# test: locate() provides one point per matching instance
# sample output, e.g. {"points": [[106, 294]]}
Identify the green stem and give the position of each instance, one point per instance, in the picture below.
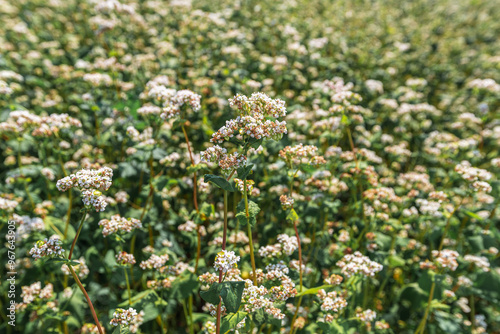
{"points": [[472, 313], [98, 324], [224, 238], [295, 315], [21, 172], [252, 257], [191, 323], [300, 254], [128, 286], [68, 214], [186, 315], [77, 234], [447, 227], [421, 326]]}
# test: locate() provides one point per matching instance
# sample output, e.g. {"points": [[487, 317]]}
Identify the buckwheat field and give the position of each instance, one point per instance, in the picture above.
{"points": [[247, 166]]}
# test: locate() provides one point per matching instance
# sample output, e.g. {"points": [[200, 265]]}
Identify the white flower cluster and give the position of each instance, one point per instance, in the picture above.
{"points": [[479, 261], [484, 84], [416, 82], [440, 196], [7, 204], [80, 269], [476, 176], [227, 162], [446, 258], [257, 128], [44, 126], [353, 264], [27, 225], [171, 99], [170, 159], [240, 185], [130, 317], [124, 258], [33, 292], [288, 244], [366, 316], [154, 262], [109, 6], [286, 202], [90, 329], [374, 86], [276, 271], [430, 208], [149, 109], [334, 280], [121, 197], [11, 75], [118, 224], [144, 138], [259, 105], [172, 106], [299, 153], [98, 79], [94, 198], [52, 124], [5, 89], [226, 260], [331, 301], [47, 247], [91, 182], [252, 121], [188, 226], [255, 299]]}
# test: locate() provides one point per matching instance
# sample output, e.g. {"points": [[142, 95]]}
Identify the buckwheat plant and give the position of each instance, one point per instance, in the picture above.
{"points": [[91, 183], [164, 105], [295, 158], [119, 228], [51, 249], [257, 120]]}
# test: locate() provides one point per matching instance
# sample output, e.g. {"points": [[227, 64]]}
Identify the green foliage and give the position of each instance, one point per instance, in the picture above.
{"points": [[231, 293], [220, 182], [231, 320], [253, 211]]}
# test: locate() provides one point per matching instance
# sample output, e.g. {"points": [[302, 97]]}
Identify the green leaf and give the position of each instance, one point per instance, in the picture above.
{"points": [[292, 216], [160, 182], [253, 211], [150, 312], [313, 291], [396, 261], [144, 295], [212, 294], [331, 328], [185, 285], [244, 171], [476, 243], [196, 168], [219, 181], [231, 293], [436, 305], [473, 215], [126, 170], [231, 320], [207, 209], [345, 120], [178, 122], [255, 143]]}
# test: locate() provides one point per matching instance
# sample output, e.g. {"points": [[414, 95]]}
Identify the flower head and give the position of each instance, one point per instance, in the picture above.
{"points": [[226, 260]]}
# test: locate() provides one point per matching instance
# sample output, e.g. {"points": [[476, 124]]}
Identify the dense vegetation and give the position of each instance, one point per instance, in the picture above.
{"points": [[250, 166]]}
